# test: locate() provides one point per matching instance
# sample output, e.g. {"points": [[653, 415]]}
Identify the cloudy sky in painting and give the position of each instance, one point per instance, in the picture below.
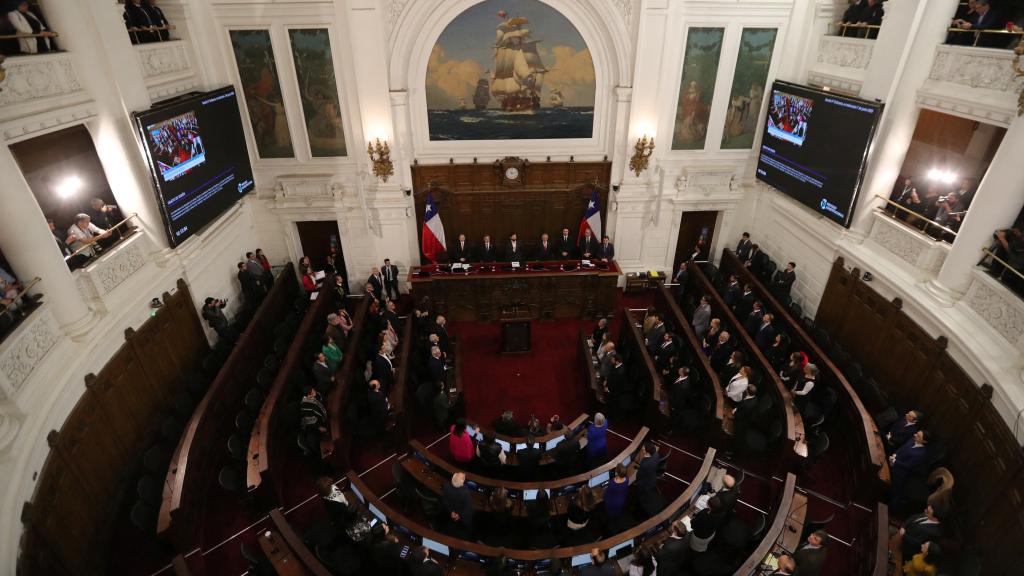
{"points": [[464, 53]]}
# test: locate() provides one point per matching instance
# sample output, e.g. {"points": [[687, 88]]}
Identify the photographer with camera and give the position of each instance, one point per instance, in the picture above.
{"points": [[213, 313], [1009, 246]]}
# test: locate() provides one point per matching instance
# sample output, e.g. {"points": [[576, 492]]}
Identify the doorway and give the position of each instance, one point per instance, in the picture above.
{"points": [[696, 233], [320, 238]]}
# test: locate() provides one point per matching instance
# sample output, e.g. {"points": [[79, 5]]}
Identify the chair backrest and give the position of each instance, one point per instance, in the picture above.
{"points": [[758, 528], [818, 445]]}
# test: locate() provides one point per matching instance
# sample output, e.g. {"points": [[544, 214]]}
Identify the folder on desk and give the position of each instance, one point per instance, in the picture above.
{"points": [[319, 275]]}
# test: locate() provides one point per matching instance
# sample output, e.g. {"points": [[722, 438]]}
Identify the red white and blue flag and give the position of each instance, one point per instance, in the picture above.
{"points": [[591, 219], [433, 243]]}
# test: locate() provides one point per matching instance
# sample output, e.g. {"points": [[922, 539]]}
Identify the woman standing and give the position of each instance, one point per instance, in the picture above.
{"points": [[597, 440]]}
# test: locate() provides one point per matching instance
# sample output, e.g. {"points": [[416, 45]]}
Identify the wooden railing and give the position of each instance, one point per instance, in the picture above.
{"points": [[403, 388], [200, 450], [296, 551], [775, 531], [866, 450]]}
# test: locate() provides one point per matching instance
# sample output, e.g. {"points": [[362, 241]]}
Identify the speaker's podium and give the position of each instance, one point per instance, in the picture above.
{"points": [[515, 330]]}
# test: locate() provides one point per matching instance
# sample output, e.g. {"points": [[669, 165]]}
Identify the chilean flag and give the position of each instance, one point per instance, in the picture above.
{"points": [[433, 243], [591, 219]]}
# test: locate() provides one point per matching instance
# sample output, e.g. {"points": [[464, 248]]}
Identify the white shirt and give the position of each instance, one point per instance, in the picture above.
{"points": [[737, 387], [90, 231], [807, 387], [20, 22]]}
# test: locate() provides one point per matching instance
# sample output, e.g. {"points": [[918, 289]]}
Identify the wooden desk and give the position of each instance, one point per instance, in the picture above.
{"points": [[775, 531], [871, 468], [279, 555], [551, 292], [301, 556], [794, 527], [580, 436], [590, 366], [721, 421]]}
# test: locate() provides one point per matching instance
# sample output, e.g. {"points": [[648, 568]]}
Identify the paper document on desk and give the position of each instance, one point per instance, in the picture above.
{"points": [[586, 262], [515, 265], [456, 267], [313, 296], [319, 275]]}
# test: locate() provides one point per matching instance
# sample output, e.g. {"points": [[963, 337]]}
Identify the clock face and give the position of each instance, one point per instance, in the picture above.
{"points": [[511, 173]]}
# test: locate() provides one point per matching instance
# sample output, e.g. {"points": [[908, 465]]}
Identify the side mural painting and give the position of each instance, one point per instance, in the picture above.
{"points": [[747, 95], [697, 88], [314, 67], [257, 69], [510, 69]]}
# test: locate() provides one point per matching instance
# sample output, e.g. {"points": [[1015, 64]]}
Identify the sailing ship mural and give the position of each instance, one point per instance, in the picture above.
{"points": [[524, 67]]}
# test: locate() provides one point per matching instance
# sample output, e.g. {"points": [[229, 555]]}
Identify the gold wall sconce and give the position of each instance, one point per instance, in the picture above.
{"points": [[641, 155], [380, 156]]}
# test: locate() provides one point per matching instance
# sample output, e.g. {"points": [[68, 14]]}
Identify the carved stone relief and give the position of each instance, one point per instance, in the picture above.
{"points": [[35, 77], [1004, 315], [163, 59], [845, 52], [25, 349], [114, 270], [976, 70]]}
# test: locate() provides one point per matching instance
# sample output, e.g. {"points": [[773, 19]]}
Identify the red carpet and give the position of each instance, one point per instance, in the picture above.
{"points": [[548, 380]]}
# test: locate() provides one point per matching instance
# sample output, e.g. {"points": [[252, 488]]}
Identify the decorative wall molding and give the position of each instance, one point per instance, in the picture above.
{"points": [[845, 52], [27, 126], [626, 9], [291, 187], [924, 254], [975, 68], [163, 59], [706, 183], [1000, 309], [30, 78], [392, 12], [113, 270], [24, 350]]}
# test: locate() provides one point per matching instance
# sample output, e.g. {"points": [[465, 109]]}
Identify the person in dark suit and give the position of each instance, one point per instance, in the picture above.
{"points": [[906, 462], [984, 18], [249, 287], [458, 504], [377, 281], [901, 431], [390, 274], [588, 245], [421, 564], [618, 385], [506, 424], [566, 246], [918, 529], [650, 499], [765, 335], [487, 251], [545, 249], [753, 320], [653, 338], [784, 279], [383, 370], [672, 556], [135, 16], [597, 336], [758, 261], [339, 509], [743, 248], [439, 406], [665, 351], [566, 454], [732, 367], [156, 16], [731, 294], [679, 394], [514, 251], [322, 375], [746, 411], [461, 252], [701, 318], [721, 352], [810, 556], [606, 250], [728, 495], [440, 328], [379, 407], [746, 302], [436, 365], [528, 459], [312, 421], [680, 278]]}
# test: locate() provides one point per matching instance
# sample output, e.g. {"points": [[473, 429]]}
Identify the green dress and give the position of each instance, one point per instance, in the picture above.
{"points": [[333, 354]]}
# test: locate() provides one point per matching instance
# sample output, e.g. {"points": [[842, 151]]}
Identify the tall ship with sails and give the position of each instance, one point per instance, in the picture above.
{"points": [[556, 98], [518, 71], [482, 96]]}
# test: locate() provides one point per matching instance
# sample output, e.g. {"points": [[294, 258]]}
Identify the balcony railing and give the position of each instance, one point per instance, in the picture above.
{"points": [[93, 247], [996, 38], [854, 30]]}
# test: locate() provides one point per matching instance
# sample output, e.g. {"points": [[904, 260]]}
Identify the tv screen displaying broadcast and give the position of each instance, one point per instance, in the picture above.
{"points": [[815, 147], [196, 151]]}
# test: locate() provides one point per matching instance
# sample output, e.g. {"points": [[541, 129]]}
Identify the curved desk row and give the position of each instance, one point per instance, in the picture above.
{"points": [[335, 447], [870, 465], [641, 371], [721, 423], [470, 554], [199, 453], [782, 406], [579, 431], [265, 463]]}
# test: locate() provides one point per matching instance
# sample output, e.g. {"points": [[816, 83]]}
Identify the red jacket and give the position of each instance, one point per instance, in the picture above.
{"points": [[460, 446], [308, 283]]}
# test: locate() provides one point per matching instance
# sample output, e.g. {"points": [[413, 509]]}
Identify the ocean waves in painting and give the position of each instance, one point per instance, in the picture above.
{"points": [[490, 124]]}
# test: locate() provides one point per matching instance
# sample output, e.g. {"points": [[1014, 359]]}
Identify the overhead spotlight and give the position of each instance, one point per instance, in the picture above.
{"points": [[69, 187], [944, 176]]}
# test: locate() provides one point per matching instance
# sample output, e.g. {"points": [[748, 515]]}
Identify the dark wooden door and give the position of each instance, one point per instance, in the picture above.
{"points": [[694, 228], [320, 238]]}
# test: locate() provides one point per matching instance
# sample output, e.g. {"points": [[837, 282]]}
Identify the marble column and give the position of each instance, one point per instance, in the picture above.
{"points": [[93, 31], [1000, 197], [900, 63], [30, 249]]}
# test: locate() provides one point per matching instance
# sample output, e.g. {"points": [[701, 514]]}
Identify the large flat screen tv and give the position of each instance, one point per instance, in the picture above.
{"points": [[197, 157], [815, 147]]}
